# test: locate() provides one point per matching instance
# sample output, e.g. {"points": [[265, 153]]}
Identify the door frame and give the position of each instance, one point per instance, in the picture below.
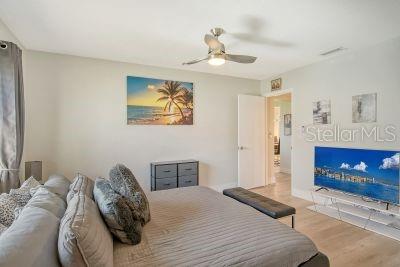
{"points": [[269, 174]]}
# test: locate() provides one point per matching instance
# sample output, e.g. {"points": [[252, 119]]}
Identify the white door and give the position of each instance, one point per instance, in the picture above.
{"points": [[251, 141]]}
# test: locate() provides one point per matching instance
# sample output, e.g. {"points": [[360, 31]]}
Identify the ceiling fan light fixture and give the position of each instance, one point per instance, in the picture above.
{"points": [[216, 52], [216, 60]]}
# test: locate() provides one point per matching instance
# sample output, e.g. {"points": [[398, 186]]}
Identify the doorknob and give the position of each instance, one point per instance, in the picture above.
{"points": [[241, 147]]}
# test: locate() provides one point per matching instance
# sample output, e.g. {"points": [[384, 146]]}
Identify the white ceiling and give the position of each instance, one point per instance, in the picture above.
{"points": [[283, 34]]}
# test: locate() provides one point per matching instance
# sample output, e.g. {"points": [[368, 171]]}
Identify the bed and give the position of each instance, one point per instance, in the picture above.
{"points": [[197, 226]]}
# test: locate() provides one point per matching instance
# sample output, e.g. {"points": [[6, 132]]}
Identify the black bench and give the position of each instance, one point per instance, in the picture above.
{"points": [[263, 204]]}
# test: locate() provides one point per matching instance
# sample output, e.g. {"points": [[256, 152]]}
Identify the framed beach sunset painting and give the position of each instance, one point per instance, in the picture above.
{"points": [[159, 102]]}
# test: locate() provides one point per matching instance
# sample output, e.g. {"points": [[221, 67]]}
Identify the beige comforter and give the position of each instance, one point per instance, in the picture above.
{"points": [[196, 226]]}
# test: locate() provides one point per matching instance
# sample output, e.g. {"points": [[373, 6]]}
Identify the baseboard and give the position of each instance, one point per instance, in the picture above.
{"points": [[300, 193], [221, 187], [306, 195]]}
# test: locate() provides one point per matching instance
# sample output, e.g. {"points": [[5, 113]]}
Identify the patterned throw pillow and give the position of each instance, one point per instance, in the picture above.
{"points": [[21, 195], [2, 228], [118, 212], [7, 206], [31, 182], [124, 182]]}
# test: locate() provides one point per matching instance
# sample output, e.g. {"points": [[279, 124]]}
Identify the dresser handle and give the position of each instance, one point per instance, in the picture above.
{"points": [[167, 184], [188, 169], [167, 171], [188, 181]]}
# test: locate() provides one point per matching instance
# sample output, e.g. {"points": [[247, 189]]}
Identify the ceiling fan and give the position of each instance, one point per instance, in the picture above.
{"points": [[216, 51]]}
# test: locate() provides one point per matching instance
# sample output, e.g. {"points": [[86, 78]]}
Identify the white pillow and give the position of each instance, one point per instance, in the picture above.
{"points": [[83, 238], [7, 206], [31, 240], [49, 201]]}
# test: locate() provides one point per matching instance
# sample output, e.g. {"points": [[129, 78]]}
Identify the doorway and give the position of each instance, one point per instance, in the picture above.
{"points": [[264, 139], [279, 148]]}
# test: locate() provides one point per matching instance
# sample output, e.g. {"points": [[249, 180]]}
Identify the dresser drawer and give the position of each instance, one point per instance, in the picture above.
{"points": [[166, 171], [166, 183], [187, 169], [189, 180]]}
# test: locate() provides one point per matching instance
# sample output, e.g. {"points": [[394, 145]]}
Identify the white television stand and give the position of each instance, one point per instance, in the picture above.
{"points": [[369, 215]]}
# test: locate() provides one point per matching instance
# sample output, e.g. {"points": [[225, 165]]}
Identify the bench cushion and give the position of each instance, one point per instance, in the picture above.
{"points": [[263, 204]]}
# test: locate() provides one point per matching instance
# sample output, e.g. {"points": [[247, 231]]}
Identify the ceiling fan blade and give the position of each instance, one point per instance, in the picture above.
{"points": [[240, 58], [194, 61], [212, 41]]}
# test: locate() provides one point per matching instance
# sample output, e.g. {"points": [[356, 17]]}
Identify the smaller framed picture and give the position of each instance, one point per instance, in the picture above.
{"points": [[276, 84], [287, 124], [322, 112], [364, 108]]}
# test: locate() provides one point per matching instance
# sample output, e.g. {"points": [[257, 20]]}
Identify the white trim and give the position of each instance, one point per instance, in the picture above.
{"points": [[279, 92]]}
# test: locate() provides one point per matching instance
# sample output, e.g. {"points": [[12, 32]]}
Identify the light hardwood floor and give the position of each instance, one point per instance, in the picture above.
{"points": [[345, 245]]}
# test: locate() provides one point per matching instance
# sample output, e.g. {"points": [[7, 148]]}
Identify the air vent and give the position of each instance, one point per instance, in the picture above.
{"points": [[330, 52]]}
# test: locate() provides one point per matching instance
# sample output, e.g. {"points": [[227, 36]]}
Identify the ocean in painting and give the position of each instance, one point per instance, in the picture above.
{"points": [[370, 173], [138, 113], [148, 115]]}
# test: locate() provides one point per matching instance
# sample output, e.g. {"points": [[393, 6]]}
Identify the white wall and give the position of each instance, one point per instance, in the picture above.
{"points": [[7, 35], [374, 69], [76, 119]]}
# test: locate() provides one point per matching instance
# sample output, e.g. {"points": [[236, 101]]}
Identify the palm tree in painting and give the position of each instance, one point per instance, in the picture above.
{"points": [[172, 92], [186, 99]]}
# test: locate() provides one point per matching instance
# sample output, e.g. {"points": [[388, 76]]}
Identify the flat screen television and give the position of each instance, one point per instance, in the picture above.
{"points": [[369, 173]]}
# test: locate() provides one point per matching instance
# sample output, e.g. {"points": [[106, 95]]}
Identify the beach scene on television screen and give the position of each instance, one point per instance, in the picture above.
{"points": [[159, 102], [370, 173]]}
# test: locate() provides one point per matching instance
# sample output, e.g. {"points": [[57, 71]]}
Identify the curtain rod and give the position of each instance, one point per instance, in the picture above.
{"points": [[3, 44]]}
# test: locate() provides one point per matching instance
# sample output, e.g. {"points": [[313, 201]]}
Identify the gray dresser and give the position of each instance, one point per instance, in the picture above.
{"points": [[173, 174]]}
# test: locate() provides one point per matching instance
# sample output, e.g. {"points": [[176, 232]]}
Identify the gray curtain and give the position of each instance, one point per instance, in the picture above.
{"points": [[11, 115]]}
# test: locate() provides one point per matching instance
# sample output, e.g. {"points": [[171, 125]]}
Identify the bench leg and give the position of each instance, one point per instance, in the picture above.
{"points": [[293, 221]]}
